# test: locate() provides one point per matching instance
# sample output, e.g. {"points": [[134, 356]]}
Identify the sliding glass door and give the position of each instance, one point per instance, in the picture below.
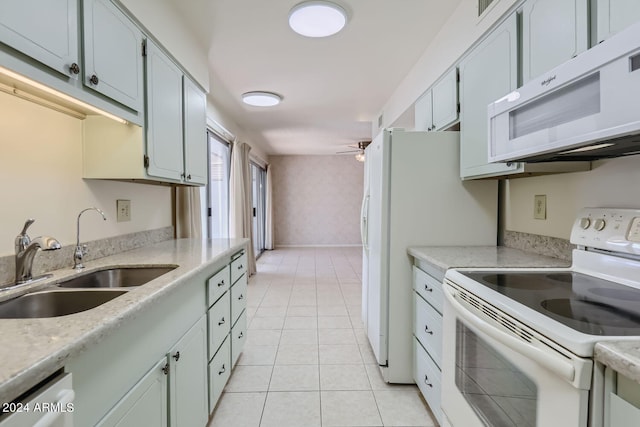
{"points": [[218, 187], [258, 178]]}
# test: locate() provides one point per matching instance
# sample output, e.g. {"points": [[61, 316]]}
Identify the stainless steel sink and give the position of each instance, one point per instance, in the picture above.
{"points": [[116, 277], [55, 303]]}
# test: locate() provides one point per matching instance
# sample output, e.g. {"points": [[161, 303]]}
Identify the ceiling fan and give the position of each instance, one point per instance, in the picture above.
{"points": [[358, 149]]}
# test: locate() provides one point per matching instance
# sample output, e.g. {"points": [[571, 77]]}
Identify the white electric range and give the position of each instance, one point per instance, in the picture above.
{"points": [[518, 343]]}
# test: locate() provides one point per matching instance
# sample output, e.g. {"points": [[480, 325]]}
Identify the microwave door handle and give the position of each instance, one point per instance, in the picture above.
{"points": [[555, 364]]}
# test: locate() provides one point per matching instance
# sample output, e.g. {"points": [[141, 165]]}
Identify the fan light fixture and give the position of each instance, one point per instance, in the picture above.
{"points": [[360, 156], [261, 99], [317, 18]]}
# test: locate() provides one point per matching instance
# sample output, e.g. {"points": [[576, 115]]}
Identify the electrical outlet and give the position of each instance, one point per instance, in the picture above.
{"points": [[124, 210], [540, 206]]}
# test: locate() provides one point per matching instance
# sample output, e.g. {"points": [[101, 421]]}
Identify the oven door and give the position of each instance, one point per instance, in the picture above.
{"points": [[498, 372]]}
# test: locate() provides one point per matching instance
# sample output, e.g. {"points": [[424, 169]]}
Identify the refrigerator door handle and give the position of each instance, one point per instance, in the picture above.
{"points": [[364, 223]]}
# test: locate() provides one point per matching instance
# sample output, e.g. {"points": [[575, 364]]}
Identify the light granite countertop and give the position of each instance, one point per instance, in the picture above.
{"points": [[622, 356], [445, 257], [33, 349]]}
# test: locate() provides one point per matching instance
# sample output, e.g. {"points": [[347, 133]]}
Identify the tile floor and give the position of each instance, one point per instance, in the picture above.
{"points": [[307, 361]]}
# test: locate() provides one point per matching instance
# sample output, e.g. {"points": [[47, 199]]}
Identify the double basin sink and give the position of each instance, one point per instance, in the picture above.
{"points": [[80, 293]]}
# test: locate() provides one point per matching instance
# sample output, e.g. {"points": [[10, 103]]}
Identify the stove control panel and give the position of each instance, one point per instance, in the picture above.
{"points": [[608, 228]]}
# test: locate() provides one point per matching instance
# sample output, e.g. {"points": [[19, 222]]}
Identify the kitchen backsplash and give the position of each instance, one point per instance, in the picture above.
{"points": [[541, 245], [54, 260]]}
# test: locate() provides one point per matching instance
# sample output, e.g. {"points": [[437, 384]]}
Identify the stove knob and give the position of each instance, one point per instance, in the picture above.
{"points": [[585, 223], [599, 224]]}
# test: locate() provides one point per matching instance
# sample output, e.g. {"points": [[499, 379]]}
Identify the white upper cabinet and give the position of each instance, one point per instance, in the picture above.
{"points": [[49, 35], [445, 100], [437, 109], [164, 115], [552, 33], [615, 15], [112, 54], [195, 135], [487, 73]]}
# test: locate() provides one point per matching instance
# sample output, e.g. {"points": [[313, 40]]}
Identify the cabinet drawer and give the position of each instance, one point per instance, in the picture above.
{"points": [[219, 372], [428, 287], [238, 337], [238, 267], [219, 317], [238, 298], [428, 328], [428, 378], [218, 285]]}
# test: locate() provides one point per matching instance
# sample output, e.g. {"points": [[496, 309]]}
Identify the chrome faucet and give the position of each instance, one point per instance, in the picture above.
{"points": [[81, 251], [26, 250]]}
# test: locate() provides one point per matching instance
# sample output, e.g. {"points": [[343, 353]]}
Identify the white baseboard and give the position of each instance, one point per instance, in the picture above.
{"points": [[319, 246]]}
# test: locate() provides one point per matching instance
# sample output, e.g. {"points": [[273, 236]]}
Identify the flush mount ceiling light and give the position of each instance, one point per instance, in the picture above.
{"points": [[317, 18], [261, 99]]}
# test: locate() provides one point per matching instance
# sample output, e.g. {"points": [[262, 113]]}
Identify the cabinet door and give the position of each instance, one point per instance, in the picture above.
{"points": [[195, 133], [424, 112], [445, 100], [112, 53], [144, 404], [188, 378], [164, 115], [44, 30], [489, 72], [615, 15], [552, 33]]}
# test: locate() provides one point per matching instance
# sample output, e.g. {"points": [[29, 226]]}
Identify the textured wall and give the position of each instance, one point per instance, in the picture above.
{"points": [[317, 199]]}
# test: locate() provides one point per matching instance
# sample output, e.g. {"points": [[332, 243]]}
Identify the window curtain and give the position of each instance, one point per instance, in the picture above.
{"points": [[240, 205], [188, 219], [268, 210]]}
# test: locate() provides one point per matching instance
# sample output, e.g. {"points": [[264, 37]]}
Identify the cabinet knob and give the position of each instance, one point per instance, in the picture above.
{"points": [[428, 289], [94, 80], [241, 335], [221, 283], [426, 329], [165, 369], [189, 177], [221, 322], [240, 297], [176, 356], [222, 371], [240, 267], [426, 381], [74, 68]]}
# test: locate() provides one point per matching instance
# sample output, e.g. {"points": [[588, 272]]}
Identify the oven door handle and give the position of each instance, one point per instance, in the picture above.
{"points": [[552, 362]]}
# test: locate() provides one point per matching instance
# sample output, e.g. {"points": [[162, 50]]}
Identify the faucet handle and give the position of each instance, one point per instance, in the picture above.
{"points": [[27, 224]]}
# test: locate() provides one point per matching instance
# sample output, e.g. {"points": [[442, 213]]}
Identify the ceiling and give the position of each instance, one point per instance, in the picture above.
{"points": [[333, 88]]}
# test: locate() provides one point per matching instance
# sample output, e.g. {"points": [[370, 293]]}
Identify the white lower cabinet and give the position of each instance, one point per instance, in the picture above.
{"points": [[622, 401], [145, 404], [238, 338], [219, 373], [188, 378], [427, 332]]}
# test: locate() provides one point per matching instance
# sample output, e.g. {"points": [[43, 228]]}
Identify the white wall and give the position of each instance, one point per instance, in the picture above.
{"points": [[41, 178], [611, 183], [317, 200]]}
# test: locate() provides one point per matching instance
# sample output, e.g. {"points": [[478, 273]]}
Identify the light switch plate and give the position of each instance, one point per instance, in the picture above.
{"points": [[124, 210], [540, 206]]}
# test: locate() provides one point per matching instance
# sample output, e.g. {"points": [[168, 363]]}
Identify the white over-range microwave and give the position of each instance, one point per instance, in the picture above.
{"points": [[584, 109]]}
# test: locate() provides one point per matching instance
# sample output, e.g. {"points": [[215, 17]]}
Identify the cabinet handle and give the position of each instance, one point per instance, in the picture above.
{"points": [[221, 283], [426, 381], [240, 267], [428, 289], [240, 297], [221, 322], [222, 371], [241, 335], [176, 356], [426, 329], [165, 369], [74, 68], [189, 177], [94, 80]]}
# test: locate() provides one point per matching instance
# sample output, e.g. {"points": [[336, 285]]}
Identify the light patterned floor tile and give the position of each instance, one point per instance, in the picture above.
{"points": [[349, 408], [294, 378], [403, 408], [291, 409]]}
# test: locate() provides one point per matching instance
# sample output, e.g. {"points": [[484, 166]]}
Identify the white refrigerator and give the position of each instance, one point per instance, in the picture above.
{"points": [[413, 197]]}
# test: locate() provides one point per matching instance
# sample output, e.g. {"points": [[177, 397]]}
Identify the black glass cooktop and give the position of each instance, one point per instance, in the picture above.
{"points": [[585, 303]]}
